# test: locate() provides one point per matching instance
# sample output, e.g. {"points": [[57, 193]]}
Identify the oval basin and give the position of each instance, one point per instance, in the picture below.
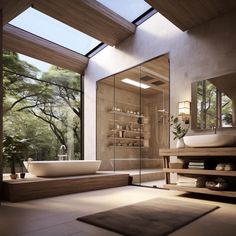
{"points": [[210, 140]]}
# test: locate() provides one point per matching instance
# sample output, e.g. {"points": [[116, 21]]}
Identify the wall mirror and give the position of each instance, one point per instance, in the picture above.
{"points": [[214, 103]]}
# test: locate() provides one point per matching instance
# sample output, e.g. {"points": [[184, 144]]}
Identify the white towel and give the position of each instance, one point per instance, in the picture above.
{"points": [[186, 181]]}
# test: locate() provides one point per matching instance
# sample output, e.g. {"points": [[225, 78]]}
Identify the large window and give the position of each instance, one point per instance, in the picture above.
{"points": [[44, 110]]}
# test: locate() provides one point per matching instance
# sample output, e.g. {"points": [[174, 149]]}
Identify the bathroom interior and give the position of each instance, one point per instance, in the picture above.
{"points": [[133, 126]]}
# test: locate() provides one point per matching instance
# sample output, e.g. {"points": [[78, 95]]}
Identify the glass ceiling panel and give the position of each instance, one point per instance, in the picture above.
{"points": [[53, 30], [128, 9]]}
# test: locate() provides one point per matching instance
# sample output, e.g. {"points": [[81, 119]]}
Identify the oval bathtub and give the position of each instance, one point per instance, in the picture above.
{"points": [[62, 168]]}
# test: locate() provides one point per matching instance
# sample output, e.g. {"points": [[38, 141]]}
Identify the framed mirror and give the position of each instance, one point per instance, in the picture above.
{"points": [[214, 103]]}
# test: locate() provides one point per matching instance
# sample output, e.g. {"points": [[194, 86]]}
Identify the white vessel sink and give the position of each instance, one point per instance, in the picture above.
{"points": [[210, 140]]}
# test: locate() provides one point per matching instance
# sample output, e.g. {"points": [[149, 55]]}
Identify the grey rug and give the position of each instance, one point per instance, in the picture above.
{"points": [[154, 217]]}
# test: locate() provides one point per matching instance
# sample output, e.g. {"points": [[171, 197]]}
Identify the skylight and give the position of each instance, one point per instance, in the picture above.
{"points": [[128, 9], [55, 31]]}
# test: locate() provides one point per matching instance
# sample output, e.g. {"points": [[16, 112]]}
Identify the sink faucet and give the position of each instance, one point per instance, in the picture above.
{"points": [[62, 153], [214, 129]]}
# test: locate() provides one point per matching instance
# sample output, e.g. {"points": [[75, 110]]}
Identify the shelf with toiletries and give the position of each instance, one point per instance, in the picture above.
{"points": [[209, 170], [121, 146], [129, 142], [126, 111], [201, 172], [117, 138], [126, 114], [127, 130], [201, 190], [115, 121], [202, 167]]}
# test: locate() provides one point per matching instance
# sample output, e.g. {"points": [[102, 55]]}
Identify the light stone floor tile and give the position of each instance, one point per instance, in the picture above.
{"points": [[57, 215], [90, 230], [64, 229]]}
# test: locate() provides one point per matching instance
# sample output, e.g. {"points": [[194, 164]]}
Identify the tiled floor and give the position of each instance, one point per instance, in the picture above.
{"points": [[155, 183], [57, 215]]}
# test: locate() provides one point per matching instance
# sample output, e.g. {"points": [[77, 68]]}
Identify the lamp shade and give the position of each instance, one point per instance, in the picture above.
{"points": [[184, 108]]}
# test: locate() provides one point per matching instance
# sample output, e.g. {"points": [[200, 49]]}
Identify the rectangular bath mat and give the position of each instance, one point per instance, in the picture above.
{"points": [[154, 217]]}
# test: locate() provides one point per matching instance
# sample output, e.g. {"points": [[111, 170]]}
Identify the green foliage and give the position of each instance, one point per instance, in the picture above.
{"points": [[15, 150], [207, 105], [12, 63], [226, 111], [227, 119], [38, 111], [62, 77], [178, 131], [43, 142]]}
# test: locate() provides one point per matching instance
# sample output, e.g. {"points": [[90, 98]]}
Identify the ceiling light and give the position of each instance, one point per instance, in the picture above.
{"points": [[135, 83]]}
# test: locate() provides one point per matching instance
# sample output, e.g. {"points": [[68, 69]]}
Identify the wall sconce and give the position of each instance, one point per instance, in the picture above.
{"points": [[184, 111]]}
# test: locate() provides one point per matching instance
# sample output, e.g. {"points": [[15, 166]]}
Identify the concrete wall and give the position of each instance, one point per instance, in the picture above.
{"points": [[207, 51]]}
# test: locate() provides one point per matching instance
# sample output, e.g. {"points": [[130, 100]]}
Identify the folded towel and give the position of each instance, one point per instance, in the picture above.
{"points": [[193, 185], [190, 181], [196, 167]]}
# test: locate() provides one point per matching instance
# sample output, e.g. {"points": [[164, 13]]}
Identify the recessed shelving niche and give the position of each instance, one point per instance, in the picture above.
{"points": [[127, 127]]}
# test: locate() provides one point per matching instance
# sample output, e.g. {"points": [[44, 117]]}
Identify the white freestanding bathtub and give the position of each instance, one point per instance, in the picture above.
{"points": [[62, 168]]}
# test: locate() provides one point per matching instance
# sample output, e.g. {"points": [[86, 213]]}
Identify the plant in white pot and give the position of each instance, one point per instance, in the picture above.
{"points": [[178, 131]]}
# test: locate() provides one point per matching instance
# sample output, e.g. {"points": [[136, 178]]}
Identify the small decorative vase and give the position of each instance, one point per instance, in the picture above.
{"points": [[22, 175], [180, 143]]}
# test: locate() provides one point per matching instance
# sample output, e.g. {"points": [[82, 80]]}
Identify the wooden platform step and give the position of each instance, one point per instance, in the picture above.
{"points": [[148, 176], [36, 188], [134, 163]]}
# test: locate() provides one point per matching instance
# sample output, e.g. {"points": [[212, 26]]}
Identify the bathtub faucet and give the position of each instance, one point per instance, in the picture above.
{"points": [[62, 153]]}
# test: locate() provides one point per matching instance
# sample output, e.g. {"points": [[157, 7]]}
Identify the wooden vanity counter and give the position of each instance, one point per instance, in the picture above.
{"points": [[186, 154]]}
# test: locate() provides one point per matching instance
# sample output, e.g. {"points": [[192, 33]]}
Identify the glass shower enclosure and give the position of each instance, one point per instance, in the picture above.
{"points": [[132, 121]]}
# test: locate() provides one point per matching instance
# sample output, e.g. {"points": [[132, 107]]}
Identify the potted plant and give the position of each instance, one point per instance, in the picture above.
{"points": [[178, 131], [14, 151]]}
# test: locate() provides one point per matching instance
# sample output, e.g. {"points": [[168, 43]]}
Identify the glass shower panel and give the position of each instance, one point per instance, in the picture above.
{"points": [[106, 129], [155, 109], [127, 136]]}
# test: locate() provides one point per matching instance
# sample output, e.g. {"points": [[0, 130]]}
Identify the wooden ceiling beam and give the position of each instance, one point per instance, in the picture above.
{"points": [[186, 14], [12, 8], [89, 17], [31, 45]]}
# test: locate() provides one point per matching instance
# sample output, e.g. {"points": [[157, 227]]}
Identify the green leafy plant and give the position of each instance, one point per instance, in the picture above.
{"points": [[14, 151], [178, 131]]}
